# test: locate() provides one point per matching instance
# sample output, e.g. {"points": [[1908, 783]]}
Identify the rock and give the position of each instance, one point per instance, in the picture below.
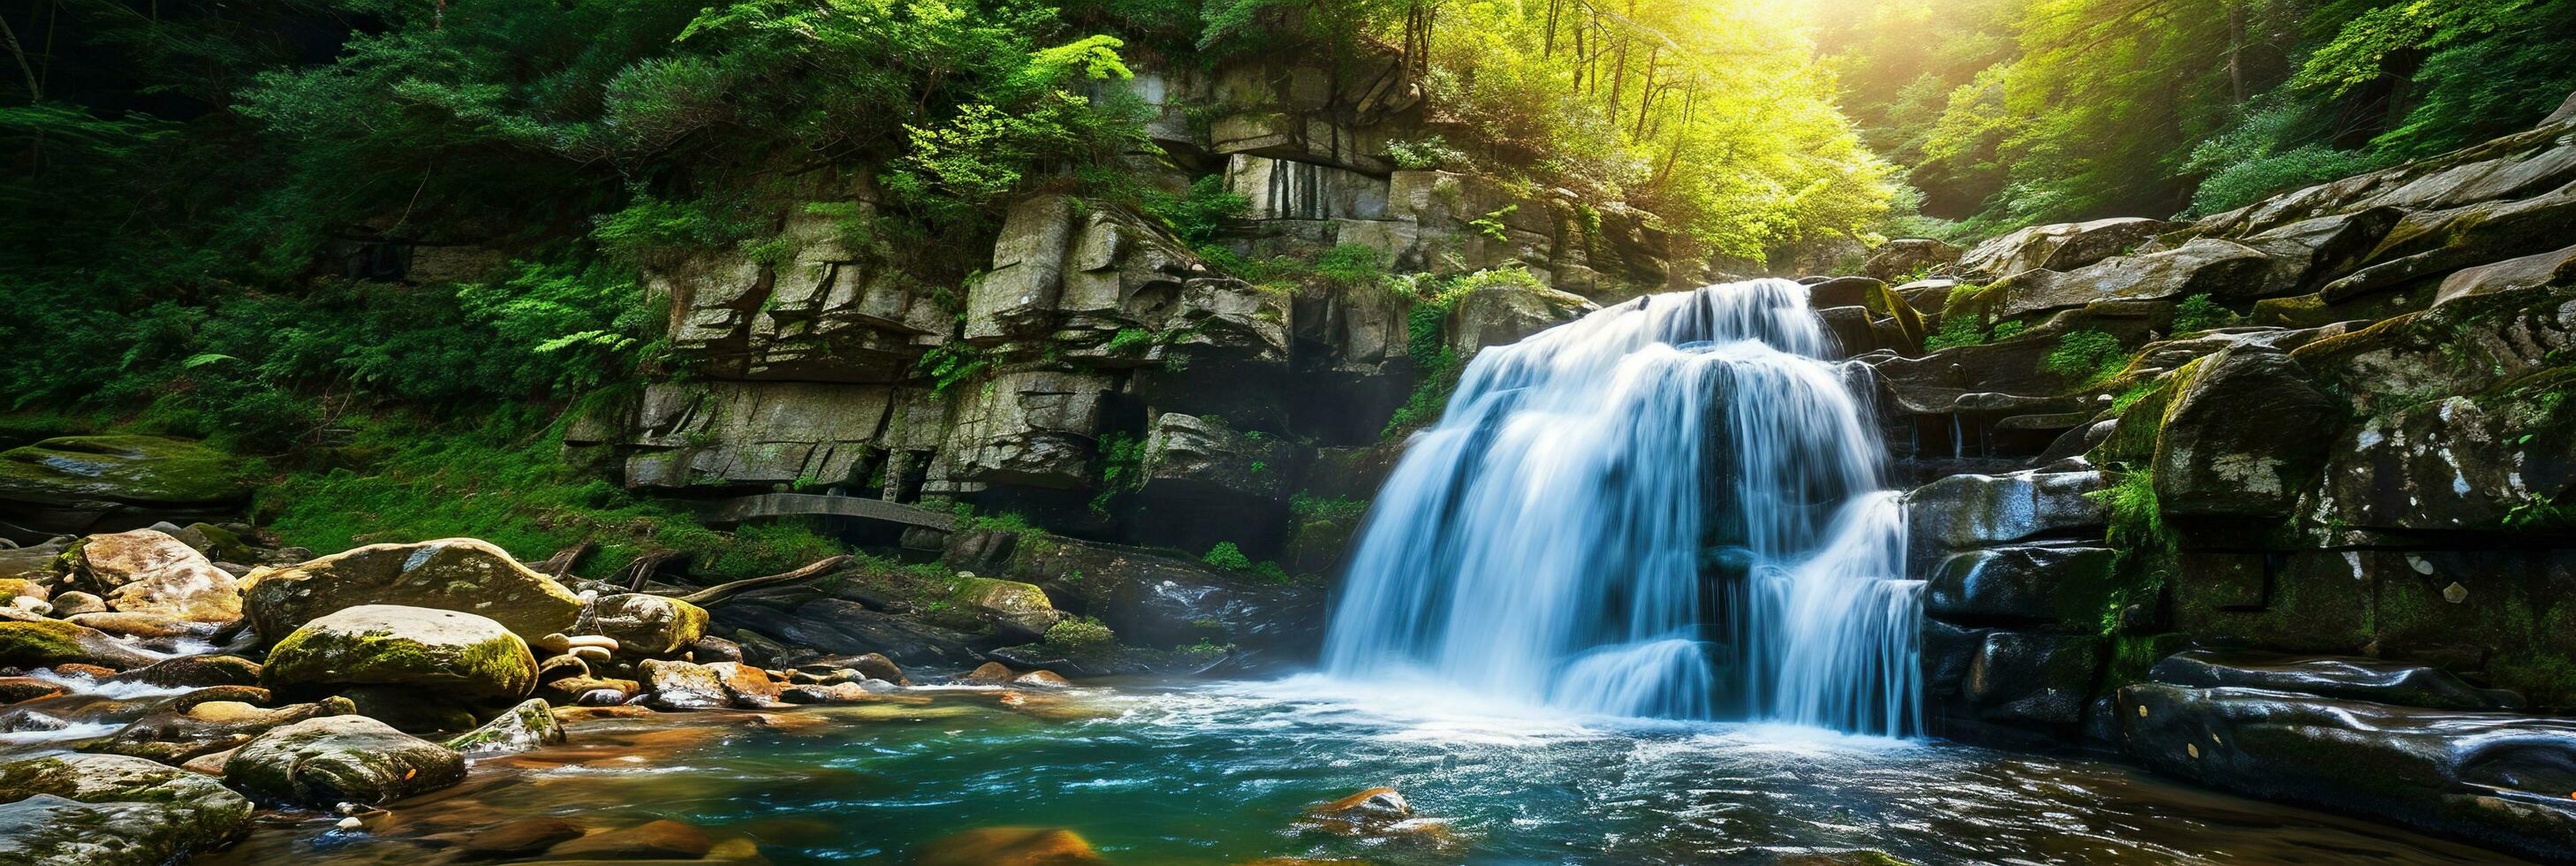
{"points": [[101, 810], [76, 603], [1019, 611], [2032, 679], [41, 565], [2061, 587], [18, 587], [529, 725], [1008, 846], [412, 710], [2489, 777], [143, 625], [654, 840], [458, 574], [649, 625], [74, 482], [1205, 482], [2058, 247], [1289, 189], [989, 674], [1501, 312], [521, 838], [2556, 267], [15, 689], [2360, 679], [1374, 804], [203, 728], [1898, 259], [145, 571], [747, 686], [592, 654], [1961, 512], [714, 649], [54, 643], [1156, 600], [871, 665], [684, 686], [1029, 429], [325, 761], [841, 626], [445, 652], [2225, 269], [1042, 679], [589, 691], [832, 693], [2245, 435], [562, 667]]}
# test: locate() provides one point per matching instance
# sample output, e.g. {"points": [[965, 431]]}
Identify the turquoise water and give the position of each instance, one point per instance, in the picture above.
{"points": [[1220, 773]]}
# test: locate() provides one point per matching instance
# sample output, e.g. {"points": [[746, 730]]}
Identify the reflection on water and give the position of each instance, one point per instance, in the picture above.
{"points": [[1222, 773]]}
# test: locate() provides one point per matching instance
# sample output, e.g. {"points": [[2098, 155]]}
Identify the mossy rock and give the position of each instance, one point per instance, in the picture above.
{"points": [[459, 655], [50, 642], [113, 809], [1009, 605], [459, 574], [527, 726], [102, 471], [649, 625], [336, 759]]}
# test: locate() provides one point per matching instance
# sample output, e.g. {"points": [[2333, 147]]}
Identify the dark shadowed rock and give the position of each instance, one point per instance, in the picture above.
{"points": [[2032, 679], [2355, 678], [2245, 435], [112, 810], [2062, 587], [324, 761]]}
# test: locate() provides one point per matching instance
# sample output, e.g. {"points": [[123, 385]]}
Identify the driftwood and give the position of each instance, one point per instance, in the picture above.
{"points": [[561, 563], [644, 567], [722, 591]]}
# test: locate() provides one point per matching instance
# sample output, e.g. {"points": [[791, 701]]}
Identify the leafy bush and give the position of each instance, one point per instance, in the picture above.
{"points": [[1352, 265], [1199, 215], [2200, 313], [2090, 354], [1428, 153], [1228, 557]]}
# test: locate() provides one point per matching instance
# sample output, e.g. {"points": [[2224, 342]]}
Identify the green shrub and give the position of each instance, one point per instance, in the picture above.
{"points": [[1352, 265], [2089, 354], [1428, 153], [2200, 313], [1955, 331], [1199, 215], [1228, 557]]}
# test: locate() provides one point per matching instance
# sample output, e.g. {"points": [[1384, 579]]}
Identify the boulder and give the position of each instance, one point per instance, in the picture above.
{"points": [[151, 629], [1503, 311], [76, 603], [2032, 680], [1008, 846], [2245, 435], [2058, 247], [325, 761], [2226, 269], [2556, 267], [172, 737], [684, 686], [649, 625], [194, 672], [1156, 600], [459, 574], [445, 652], [2064, 588], [521, 838], [41, 565], [1203, 461], [2492, 778], [989, 674], [145, 571], [1018, 610], [840, 627], [413, 710], [1032, 429], [47, 643], [111, 810], [745, 685], [1960, 512], [2348, 677], [1898, 259], [74, 483], [529, 725]]}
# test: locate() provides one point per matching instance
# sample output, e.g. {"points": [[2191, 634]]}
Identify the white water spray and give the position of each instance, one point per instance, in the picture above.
{"points": [[1670, 508]]}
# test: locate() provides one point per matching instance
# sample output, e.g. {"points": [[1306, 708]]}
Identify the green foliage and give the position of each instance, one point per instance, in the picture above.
{"points": [[1352, 265], [2137, 521], [1122, 460], [953, 362], [1201, 214], [1491, 225], [1228, 557], [1955, 331], [2200, 313], [1432, 152], [1082, 636], [2088, 354], [1338, 509]]}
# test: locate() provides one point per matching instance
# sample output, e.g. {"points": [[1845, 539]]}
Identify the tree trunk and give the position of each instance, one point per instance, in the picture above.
{"points": [[722, 591]]}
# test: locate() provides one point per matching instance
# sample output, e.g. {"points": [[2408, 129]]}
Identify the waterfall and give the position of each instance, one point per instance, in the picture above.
{"points": [[1669, 508]]}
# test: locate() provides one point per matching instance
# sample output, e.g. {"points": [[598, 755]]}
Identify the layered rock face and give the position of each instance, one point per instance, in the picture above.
{"points": [[1097, 375], [2278, 500]]}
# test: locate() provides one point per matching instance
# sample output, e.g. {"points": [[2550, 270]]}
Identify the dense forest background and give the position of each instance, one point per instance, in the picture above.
{"points": [[192, 186]]}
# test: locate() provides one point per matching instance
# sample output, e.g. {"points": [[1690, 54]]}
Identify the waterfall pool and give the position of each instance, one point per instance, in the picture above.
{"points": [[1222, 772]]}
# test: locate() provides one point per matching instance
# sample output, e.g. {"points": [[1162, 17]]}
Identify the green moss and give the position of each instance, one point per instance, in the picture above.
{"points": [[498, 667], [1228, 557], [40, 643], [1082, 636], [2088, 355]]}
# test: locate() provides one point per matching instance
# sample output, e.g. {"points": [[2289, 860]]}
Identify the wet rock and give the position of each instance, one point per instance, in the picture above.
{"points": [[41, 565], [2499, 779], [840, 626], [15, 689], [1504, 312], [714, 649], [54, 643], [146, 571], [458, 574], [989, 674], [655, 840], [442, 652], [325, 761], [521, 838], [684, 686], [1008, 846], [2350, 677], [871, 665], [153, 627], [1378, 804], [2036, 680], [529, 725], [745, 685], [203, 728], [1156, 600], [1018, 610], [2064, 587], [1042, 679], [412, 710], [589, 691], [1962, 512], [101, 810], [74, 482], [649, 625], [2512, 275], [75, 603], [832, 693]]}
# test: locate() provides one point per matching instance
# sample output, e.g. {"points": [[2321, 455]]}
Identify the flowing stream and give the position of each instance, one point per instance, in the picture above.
{"points": [[1670, 508]]}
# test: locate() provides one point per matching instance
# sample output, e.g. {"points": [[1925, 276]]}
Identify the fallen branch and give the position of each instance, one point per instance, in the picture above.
{"points": [[561, 563], [644, 567], [722, 591]]}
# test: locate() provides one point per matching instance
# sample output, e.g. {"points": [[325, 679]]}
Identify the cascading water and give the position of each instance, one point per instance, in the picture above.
{"points": [[1671, 508]]}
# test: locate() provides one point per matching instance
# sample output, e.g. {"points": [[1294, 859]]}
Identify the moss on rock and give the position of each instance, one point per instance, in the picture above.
{"points": [[457, 654]]}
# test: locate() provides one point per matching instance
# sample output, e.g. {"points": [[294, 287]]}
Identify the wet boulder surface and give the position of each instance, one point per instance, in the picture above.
{"points": [[96, 810]]}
